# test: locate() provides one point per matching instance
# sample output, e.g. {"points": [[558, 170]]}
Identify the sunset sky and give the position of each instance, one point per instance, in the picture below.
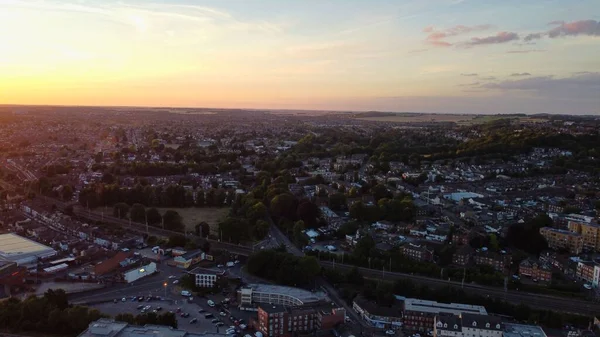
{"points": [[465, 56]]}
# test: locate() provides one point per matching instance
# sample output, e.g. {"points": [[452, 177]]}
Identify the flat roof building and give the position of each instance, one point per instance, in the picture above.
{"points": [[281, 295], [110, 328], [24, 252], [522, 330]]}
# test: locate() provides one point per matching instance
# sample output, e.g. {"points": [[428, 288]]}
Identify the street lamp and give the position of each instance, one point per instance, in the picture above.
{"points": [[165, 285]]}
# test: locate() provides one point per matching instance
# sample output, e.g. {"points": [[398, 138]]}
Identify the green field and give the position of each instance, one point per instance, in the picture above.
{"points": [[193, 216]]}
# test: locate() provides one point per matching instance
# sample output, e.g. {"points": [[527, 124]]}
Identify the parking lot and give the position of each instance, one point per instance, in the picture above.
{"points": [[203, 324]]}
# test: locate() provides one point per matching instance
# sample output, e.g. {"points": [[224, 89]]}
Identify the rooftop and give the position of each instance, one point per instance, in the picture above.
{"points": [[304, 296], [521, 330], [109, 328], [13, 246], [413, 304]]}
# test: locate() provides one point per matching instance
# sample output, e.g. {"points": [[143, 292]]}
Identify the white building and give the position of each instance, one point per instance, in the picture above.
{"points": [[24, 252], [140, 272], [467, 325], [206, 278]]}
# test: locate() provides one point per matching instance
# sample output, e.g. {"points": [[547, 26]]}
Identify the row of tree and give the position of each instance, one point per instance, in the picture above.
{"points": [[170, 220], [156, 196], [283, 268], [48, 314]]}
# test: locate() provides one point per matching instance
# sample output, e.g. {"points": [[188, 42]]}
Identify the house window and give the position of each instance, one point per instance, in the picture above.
{"points": [[474, 323], [487, 325]]}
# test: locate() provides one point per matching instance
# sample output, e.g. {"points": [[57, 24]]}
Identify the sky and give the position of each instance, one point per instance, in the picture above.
{"points": [[447, 56]]}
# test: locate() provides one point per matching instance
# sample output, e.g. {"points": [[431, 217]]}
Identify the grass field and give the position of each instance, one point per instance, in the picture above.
{"points": [[193, 216]]}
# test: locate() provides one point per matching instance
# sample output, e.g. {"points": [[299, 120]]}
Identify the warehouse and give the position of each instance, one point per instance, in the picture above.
{"points": [[139, 272], [24, 252]]}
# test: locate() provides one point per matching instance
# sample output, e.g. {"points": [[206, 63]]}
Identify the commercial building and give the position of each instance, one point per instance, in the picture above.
{"points": [[111, 264], [562, 239], [467, 325], [278, 295], [109, 328], [590, 233], [535, 270], [188, 259], [281, 321], [378, 316], [139, 272], [419, 315], [521, 330], [206, 278], [22, 251]]}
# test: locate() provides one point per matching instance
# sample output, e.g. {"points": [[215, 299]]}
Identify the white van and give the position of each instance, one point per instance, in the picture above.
{"points": [[210, 303], [186, 293]]}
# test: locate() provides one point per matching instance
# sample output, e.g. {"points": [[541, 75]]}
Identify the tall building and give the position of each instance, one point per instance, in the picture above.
{"points": [[562, 239], [590, 232]]}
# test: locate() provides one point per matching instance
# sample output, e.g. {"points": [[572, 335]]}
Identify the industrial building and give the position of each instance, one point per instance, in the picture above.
{"points": [[22, 251], [110, 328], [279, 295]]}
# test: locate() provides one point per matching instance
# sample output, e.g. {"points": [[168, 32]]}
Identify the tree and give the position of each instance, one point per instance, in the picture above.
{"points": [[353, 193], [379, 191], [284, 205], [177, 240], [204, 229], [337, 201], [299, 237], [364, 246], [234, 230], [200, 202], [256, 211], [120, 210], [308, 212], [494, 245], [261, 229], [358, 211], [67, 192], [108, 178], [173, 220], [138, 213], [154, 217]]}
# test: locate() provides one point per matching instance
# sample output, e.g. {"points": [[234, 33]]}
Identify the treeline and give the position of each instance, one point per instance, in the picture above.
{"points": [[154, 196], [352, 284], [170, 220], [49, 314], [283, 268]]}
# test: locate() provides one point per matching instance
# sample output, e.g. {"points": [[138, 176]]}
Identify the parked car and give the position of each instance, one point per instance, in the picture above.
{"points": [[193, 320], [222, 314]]}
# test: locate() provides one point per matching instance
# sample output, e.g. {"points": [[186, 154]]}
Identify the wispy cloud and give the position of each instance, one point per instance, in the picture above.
{"points": [[525, 51], [585, 85], [488, 78], [520, 74], [438, 37], [501, 37], [563, 29], [468, 74]]}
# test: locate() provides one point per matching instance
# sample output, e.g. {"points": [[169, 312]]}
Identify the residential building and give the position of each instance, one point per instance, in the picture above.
{"points": [[497, 261], [535, 270], [585, 271], [467, 325], [559, 239], [278, 295], [462, 256], [417, 252], [590, 233], [419, 315], [188, 259]]}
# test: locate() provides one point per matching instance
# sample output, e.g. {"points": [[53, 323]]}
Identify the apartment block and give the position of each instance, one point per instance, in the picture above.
{"points": [[563, 239], [590, 233]]}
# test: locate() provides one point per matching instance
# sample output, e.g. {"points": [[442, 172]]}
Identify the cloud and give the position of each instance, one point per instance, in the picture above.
{"points": [[584, 27], [468, 74], [584, 85], [520, 74], [534, 36], [488, 78], [525, 51], [473, 84], [563, 29], [438, 37], [501, 37]]}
